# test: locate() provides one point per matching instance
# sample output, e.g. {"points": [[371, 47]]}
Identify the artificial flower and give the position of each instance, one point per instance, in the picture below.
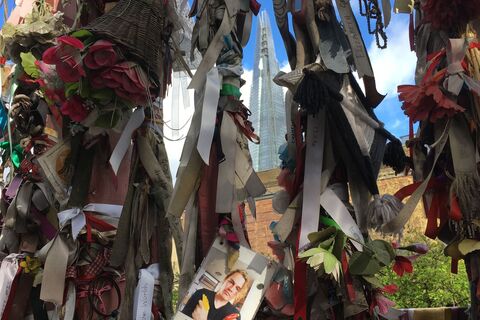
{"points": [[75, 109], [420, 248], [427, 101], [390, 289], [127, 80], [383, 303], [30, 264], [402, 265], [449, 14], [101, 54], [67, 58]]}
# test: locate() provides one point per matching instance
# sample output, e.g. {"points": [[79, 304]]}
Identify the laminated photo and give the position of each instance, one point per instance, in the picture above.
{"points": [[220, 294]]}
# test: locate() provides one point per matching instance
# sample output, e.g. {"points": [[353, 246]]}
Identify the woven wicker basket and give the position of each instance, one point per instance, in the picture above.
{"points": [[138, 26]]}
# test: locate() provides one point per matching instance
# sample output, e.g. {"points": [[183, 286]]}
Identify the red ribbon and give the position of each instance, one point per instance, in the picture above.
{"points": [[300, 290], [96, 223], [255, 6], [84, 291], [348, 277]]}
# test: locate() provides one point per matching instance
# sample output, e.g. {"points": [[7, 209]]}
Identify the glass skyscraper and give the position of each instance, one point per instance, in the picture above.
{"points": [[266, 100]]}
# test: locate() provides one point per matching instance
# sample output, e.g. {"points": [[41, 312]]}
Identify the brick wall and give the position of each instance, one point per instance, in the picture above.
{"points": [[259, 232]]}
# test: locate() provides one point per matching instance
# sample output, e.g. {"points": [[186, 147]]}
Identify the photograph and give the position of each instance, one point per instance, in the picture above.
{"points": [[220, 294]]}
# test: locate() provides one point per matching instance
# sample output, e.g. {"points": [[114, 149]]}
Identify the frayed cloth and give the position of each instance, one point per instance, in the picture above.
{"points": [[382, 210], [467, 189]]}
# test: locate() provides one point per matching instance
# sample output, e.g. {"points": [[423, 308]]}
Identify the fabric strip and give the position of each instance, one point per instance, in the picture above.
{"points": [[135, 121], [396, 224], [209, 112], [313, 176], [360, 55]]}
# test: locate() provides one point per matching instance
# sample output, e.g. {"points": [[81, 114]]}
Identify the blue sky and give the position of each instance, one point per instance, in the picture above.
{"points": [[392, 66]]}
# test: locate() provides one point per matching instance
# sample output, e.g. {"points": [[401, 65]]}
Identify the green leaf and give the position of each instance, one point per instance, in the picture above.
{"points": [[321, 235], [329, 262], [102, 96], [327, 244], [82, 33], [383, 251], [362, 263], [85, 89], [71, 88], [374, 281], [340, 240], [28, 64], [108, 119], [310, 252], [316, 260]]}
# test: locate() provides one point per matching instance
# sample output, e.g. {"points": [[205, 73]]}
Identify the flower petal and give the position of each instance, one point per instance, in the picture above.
{"points": [[74, 42], [50, 55]]}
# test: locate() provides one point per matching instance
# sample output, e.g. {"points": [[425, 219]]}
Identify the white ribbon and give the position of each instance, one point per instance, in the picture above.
{"points": [[456, 50], [313, 176], [77, 219], [340, 214], [359, 52], [143, 296], [8, 271], [209, 112], [135, 121]]}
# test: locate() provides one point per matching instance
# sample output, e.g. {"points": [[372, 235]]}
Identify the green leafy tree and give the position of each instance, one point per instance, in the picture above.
{"points": [[431, 284]]}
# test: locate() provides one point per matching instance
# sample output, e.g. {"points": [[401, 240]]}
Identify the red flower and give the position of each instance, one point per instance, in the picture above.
{"points": [[402, 265], [390, 289], [66, 58], [100, 54], [127, 80], [74, 109], [427, 101]]}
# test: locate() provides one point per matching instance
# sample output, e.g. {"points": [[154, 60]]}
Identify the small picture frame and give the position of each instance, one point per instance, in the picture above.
{"points": [[220, 294]]}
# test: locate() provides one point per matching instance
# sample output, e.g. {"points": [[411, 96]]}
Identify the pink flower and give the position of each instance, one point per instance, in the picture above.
{"points": [[382, 302], [66, 58], [74, 109], [100, 54]]}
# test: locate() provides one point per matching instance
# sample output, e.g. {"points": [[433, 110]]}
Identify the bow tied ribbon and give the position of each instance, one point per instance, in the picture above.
{"points": [[456, 76], [77, 219]]}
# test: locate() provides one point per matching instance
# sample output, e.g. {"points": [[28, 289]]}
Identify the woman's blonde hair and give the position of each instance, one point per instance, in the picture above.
{"points": [[246, 286]]}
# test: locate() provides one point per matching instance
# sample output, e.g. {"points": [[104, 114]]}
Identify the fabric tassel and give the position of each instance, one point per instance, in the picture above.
{"points": [[394, 156], [467, 187], [382, 210], [314, 94]]}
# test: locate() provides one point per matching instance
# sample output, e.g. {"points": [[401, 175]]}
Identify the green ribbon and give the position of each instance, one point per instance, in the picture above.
{"points": [[230, 90], [329, 222], [17, 153]]}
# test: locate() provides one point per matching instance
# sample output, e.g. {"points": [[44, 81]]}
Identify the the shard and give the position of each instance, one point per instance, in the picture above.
{"points": [[266, 100]]}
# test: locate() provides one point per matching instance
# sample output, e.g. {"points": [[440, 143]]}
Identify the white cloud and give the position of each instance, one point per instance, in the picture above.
{"points": [[394, 65]]}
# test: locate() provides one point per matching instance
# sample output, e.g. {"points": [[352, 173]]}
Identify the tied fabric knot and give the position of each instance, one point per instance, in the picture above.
{"points": [[456, 76], [77, 219], [86, 290]]}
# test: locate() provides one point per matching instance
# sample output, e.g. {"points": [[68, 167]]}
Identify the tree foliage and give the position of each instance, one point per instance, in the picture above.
{"points": [[431, 284]]}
